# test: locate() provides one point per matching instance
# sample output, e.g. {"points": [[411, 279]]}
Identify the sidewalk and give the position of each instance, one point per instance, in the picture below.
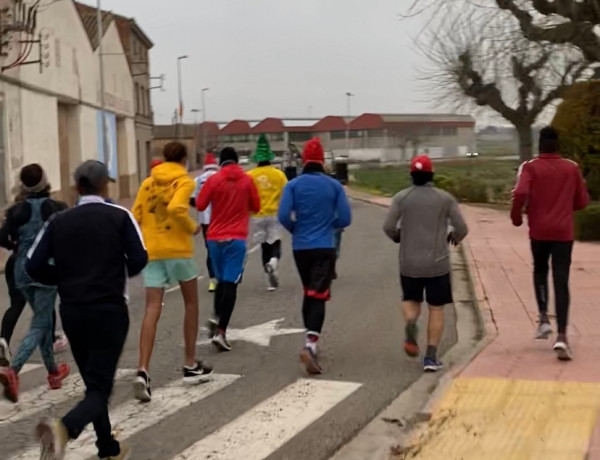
{"points": [[515, 400]]}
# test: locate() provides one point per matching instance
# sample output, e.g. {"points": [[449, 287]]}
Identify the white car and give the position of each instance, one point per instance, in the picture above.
{"points": [[244, 160], [472, 154]]}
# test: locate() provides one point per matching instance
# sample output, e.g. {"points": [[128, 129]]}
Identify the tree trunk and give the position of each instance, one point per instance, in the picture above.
{"points": [[525, 142]]}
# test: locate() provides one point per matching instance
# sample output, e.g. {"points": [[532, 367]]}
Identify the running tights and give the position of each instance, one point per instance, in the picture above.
{"points": [[225, 297], [560, 252], [271, 250], [313, 313]]}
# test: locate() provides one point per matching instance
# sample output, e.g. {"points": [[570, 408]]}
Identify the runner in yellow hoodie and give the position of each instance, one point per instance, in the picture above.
{"points": [[162, 211], [266, 229]]}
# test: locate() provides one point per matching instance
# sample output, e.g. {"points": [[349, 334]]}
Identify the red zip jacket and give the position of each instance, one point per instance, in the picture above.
{"points": [[551, 188], [233, 196]]}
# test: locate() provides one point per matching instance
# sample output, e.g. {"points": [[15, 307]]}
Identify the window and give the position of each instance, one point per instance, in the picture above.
{"points": [[300, 137], [449, 131], [137, 98], [148, 105], [275, 137], [356, 134], [336, 135], [143, 98]]}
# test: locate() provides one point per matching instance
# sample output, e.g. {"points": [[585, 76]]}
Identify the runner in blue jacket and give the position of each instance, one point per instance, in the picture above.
{"points": [[312, 208]]}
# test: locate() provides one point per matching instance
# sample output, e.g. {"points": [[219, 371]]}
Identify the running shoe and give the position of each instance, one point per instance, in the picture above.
{"points": [[61, 342], [220, 341], [432, 365], [272, 278], [544, 331], [123, 455], [55, 379], [563, 351], [197, 374], [309, 358], [213, 327], [53, 437], [10, 381], [141, 387], [5, 358], [212, 286], [411, 348]]}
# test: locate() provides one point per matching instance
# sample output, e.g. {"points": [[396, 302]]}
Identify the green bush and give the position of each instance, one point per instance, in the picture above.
{"points": [[463, 188], [587, 223]]}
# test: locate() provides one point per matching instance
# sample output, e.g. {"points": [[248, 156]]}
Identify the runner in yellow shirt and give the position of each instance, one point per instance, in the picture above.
{"points": [[266, 229]]}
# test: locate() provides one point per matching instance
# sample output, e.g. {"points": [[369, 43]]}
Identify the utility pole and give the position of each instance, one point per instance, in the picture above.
{"points": [[349, 97], [179, 90], [102, 101], [204, 90]]}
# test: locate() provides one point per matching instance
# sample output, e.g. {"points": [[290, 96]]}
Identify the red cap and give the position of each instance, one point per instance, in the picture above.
{"points": [[210, 159], [155, 162], [313, 152], [421, 163]]}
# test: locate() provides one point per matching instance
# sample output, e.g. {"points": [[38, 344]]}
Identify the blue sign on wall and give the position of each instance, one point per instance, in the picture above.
{"points": [[107, 141]]}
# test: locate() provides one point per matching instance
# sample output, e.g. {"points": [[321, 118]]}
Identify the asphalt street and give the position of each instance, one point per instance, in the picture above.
{"points": [[260, 404]]}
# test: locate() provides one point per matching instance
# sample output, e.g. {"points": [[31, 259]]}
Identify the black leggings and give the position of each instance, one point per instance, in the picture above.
{"points": [[17, 303], [313, 314], [225, 297], [560, 251], [209, 266], [270, 250]]}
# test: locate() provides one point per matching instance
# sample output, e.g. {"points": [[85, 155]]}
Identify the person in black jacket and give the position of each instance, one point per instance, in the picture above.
{"points": [[88, 252]]}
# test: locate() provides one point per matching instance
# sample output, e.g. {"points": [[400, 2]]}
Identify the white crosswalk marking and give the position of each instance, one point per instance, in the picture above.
{"points": [[262, 430], [41, 398], [132, 417]]}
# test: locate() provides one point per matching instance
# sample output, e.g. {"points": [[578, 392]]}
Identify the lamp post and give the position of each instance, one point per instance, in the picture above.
{"points": [[349, 97], [204, 90], [195, 112], [180, 109], [101, 61]]}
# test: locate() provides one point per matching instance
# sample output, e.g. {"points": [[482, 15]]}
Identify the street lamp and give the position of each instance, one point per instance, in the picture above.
{"points": [[204, 90], [195, 112], [180, 110], [349, 97]]}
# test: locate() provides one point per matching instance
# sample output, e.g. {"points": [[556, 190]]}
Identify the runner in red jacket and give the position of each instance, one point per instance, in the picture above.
{"points": [[232, 196], [552, 189]]}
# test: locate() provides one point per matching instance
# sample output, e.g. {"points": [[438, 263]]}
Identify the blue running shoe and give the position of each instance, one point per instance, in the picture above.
{"points": [[432, 365]]}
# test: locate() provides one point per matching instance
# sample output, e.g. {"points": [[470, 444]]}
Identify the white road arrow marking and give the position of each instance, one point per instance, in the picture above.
{"points": [[261, 334]]}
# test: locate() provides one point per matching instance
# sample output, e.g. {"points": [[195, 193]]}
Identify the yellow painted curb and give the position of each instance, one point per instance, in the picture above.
{"points": [[500, 419]]}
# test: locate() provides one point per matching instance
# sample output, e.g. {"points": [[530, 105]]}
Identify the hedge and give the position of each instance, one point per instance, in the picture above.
{"points": [[587, 223]]}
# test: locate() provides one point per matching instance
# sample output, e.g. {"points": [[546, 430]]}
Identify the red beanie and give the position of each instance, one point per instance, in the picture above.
{"points": [[210, 159], [155, 162], [421, 163], [313, 152]]}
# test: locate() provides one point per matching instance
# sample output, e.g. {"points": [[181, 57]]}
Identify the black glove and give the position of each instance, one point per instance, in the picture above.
{"points": [[452, 239]]}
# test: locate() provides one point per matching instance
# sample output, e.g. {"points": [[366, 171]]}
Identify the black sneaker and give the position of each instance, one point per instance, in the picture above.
{"points": [[141, 387], [197, 374]]}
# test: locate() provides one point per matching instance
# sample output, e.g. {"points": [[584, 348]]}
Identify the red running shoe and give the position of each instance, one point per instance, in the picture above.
{"points": [[10, 381], [55, 379], [411, 348]]}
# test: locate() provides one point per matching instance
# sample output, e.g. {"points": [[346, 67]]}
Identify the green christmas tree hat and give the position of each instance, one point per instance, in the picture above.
{"points": [[263, 150]]}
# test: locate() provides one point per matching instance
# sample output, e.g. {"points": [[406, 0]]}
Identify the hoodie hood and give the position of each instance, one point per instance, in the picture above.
{"points": [[232, 172], [168, 172]]}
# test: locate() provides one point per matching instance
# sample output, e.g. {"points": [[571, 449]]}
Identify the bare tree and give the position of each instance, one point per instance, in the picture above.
{"points": [[481, 58]]}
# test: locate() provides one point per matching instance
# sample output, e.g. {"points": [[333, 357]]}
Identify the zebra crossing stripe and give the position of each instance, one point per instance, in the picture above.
{"points": [[41, 398], [262, 430], [132, 417]]}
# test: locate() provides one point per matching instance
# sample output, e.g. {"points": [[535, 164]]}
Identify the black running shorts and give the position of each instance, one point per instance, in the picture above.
{"points": [[437, 291], [316, 268]]}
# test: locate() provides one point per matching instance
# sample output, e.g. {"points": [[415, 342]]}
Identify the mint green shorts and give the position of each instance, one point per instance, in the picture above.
{"points": [[169, 272]]}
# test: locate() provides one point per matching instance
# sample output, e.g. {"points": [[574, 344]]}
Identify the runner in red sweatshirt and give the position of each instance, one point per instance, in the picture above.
{"points": [[551, 188], [233, 196]]}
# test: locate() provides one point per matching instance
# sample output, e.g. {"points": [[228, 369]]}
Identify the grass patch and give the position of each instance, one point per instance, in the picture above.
{"points": [[476, 181]]}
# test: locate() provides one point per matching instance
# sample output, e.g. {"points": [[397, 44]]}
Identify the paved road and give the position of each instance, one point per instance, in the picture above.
{"points": [[260, 404]]}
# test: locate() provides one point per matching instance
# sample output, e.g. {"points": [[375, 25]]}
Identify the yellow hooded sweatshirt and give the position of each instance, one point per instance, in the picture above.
{"points": [[162, 209]]}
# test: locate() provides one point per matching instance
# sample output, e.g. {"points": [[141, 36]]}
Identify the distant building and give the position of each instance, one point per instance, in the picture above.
{"points": [[185, 133], [379, 137]]}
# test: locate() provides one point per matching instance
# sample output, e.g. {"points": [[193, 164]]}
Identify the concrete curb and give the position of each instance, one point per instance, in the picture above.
{"points": [[395, 425]]}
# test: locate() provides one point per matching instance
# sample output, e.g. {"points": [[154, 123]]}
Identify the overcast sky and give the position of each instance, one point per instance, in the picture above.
{"points": [[279, 57]]}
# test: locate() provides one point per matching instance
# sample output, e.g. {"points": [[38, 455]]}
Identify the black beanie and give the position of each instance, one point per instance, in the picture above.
{"points": [[228, 154]]}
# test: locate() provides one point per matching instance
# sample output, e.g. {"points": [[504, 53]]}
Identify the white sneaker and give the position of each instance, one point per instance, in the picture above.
{"points": [[220, 341], [5, 358], [272, 278], [543, 332], [60, 342], [563, 351]]}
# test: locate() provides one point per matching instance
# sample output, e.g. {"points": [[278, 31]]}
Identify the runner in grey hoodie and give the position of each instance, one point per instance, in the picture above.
{"points": [[419, 219]]}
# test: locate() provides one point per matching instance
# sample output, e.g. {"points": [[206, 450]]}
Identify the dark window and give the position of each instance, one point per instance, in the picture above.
{"points": [[300, 136], [449, 131], [336, 135], [137, 98]]}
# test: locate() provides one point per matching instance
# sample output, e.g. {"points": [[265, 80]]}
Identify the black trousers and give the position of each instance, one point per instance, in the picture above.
{"points": [[224, 302], [316, 268], [269, 251], [211, 272], [560, 252], [97, 335]]}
